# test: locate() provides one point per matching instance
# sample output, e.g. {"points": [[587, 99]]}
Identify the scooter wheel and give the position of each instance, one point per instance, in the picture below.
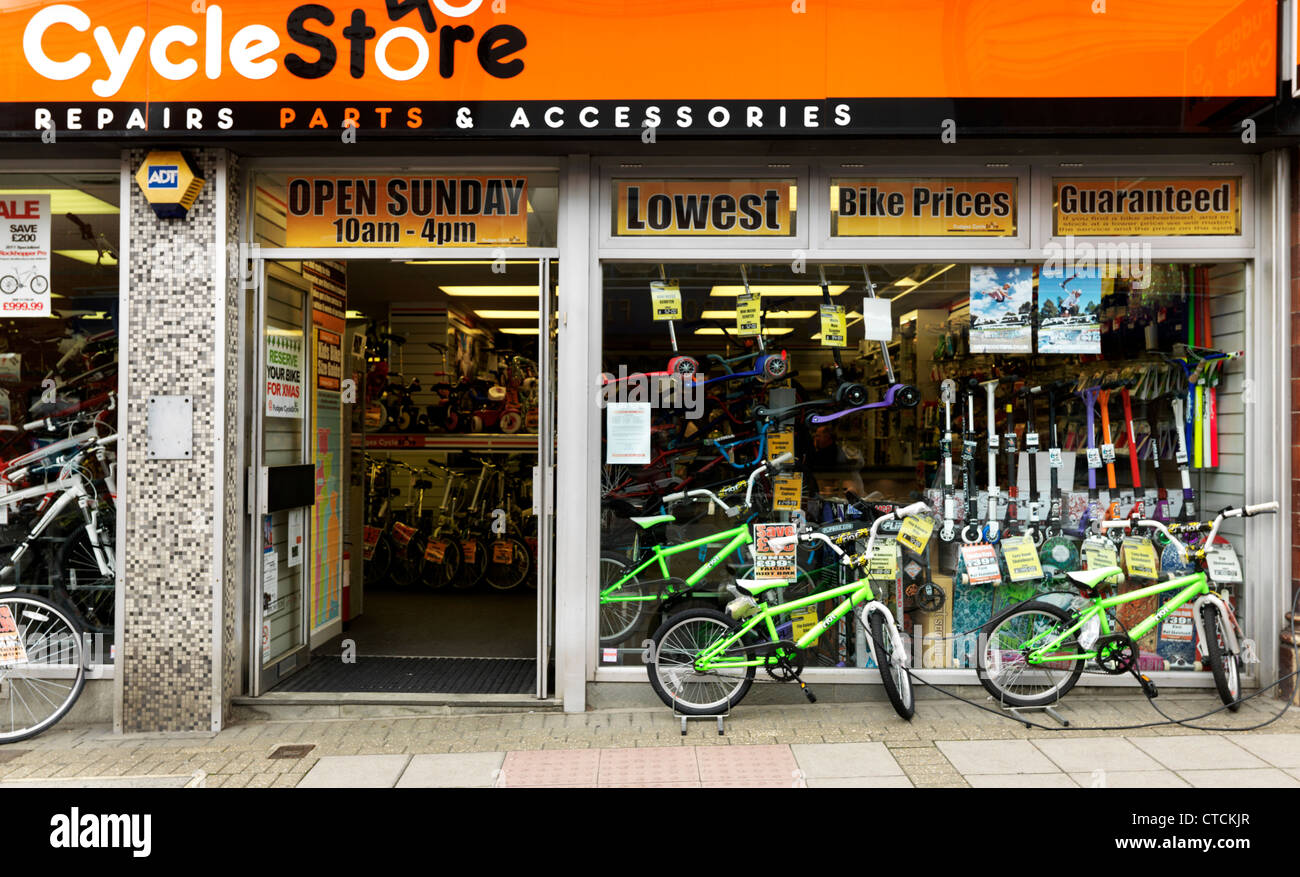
{"points": [[775, 367], [683, 365], [907, 397], [853, 395], [511, 421], [970, 533], [930, 597]]}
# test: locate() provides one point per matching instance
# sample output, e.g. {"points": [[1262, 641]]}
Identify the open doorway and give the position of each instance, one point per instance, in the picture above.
{"points": [[424, 389]]}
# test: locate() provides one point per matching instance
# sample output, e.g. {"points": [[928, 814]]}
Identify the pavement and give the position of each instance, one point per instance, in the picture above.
{"points": [[948, 744]]}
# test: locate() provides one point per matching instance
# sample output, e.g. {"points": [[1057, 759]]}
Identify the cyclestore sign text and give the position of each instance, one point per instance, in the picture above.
{"points": [[406, 211]]}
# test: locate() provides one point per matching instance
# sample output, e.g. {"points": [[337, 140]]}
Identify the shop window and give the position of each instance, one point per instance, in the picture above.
{"points": [[59, 313], [1157, 344]]}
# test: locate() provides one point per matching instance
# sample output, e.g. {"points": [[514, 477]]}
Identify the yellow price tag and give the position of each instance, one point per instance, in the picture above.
{"points": [[779, 443], [787, 493], [834, 333], [914, 535], [666, 299], [1021, 558], [802, 621], [883, 564], [749, 314], [1098, 555], [1140, 558]]}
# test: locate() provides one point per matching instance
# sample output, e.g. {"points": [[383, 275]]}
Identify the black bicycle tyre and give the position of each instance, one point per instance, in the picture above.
{"points": [[437, 575], [897, 681], [986, 637], [79, 582], [510, 575], [471, 573], [617, 619], [71, 636], [376, 568], [1227, 676], [698, 628]]}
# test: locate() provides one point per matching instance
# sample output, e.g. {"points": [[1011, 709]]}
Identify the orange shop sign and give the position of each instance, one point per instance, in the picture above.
{"points": [[972, 207], [398, 211]]}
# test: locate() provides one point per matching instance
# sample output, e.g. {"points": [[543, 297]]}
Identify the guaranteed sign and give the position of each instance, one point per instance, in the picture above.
{"points": [[924, 208], [1150, 206], [690, 208], [406, 211]]}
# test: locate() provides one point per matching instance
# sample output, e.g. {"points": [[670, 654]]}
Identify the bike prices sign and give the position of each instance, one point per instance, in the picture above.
{"points": [[770, 563], [975, 207], [284, 366], [406, 211], [25, 255]]}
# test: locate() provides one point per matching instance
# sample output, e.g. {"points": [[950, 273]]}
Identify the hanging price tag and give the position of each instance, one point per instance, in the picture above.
{"points": [[1031, 440], [779, 443], [1180, 457], [1223, 566], [1099, 553], [1094, 458], [666, 300], [994, 442], [502, 551], [402, 534], [1108, 453], [772, 564], [883, 565], [981, 563], [1021, 558], [802, 621], [1054, 458], [370, 538], [834, 333], [749, 314], [1140, 558], [915, 533], [469, 550], [435, 551], [787, 492]]}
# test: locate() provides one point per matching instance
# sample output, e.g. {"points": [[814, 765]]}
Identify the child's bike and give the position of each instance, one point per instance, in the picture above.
{"points": [[1034, 653], [702, 662]]}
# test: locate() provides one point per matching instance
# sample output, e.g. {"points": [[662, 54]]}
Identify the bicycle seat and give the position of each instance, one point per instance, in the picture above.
{"points": [[652, 520], [396, 339], [441, 348], [1092, 579], [423, 485]]}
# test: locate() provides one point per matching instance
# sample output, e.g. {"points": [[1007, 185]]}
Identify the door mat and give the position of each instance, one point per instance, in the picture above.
{"points": [[417, 676]]}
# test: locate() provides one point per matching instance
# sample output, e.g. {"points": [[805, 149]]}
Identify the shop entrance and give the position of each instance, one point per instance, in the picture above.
{"points": [[403, 454]]}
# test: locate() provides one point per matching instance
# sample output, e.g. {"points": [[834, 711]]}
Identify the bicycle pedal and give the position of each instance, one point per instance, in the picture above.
{"points": [[807, 692], [1148, 687]]}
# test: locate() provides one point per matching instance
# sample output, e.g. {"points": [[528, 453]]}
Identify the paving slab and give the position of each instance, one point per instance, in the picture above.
{"points": [[823, 760], [1279, 750], [1243, 778], [1130, 779], [551, 767], [748, 766], [650, 764], [1021, 781], [448, 771], [995, 757], [1207, 752], [859, 783], [157, 782], [355, 772], [1086, 754]]}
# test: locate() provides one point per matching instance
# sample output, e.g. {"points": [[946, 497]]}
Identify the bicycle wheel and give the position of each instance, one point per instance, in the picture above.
{"points": [[473, 562], [510, 574], [402, 572], [618, 618], [376, 568], [41, 689], [88, 590], [439, 574], [898, 683], [672, 674], [1001, 664], [1225, 667]]}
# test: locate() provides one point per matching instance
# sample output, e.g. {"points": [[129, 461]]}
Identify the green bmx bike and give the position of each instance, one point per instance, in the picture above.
{"points": [[1033, 653], [702, 662]]}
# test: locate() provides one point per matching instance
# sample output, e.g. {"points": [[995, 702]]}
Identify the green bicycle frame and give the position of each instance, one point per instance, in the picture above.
{"points": [[712, 658], [738, 537], [1193, 585]]}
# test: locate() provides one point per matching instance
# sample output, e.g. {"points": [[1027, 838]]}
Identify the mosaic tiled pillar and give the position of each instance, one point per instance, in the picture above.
{"points": [[178, 659]]}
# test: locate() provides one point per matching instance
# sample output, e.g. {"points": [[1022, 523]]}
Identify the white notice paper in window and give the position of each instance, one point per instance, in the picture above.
{"points": [[877, 320], [627, 433]]}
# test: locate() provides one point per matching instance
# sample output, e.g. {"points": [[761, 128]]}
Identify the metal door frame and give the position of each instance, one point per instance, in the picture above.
{"points": [[546, 349]]}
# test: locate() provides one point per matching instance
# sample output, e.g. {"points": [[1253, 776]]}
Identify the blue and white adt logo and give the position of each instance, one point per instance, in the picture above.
{"points": [[164, 176]]}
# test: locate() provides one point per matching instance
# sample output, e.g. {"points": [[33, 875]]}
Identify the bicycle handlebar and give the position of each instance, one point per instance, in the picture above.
{"points": [[1247, 511], [915, 508]]}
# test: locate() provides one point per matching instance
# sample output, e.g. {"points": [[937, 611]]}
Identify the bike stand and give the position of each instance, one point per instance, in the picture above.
{"points": [[1016, 710], [683, 718]]}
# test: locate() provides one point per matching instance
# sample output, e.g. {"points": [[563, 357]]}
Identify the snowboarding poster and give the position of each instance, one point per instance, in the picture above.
{"points": [[1068, 319], [1001, 308]]}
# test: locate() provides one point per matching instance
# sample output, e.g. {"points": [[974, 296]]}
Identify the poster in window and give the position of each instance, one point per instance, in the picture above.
{"points": [[1001, 309], [1068, 313]]}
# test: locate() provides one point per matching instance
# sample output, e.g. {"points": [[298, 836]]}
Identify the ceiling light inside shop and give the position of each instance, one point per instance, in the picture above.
{"points": [[771, 315], [779, 291], [770, 330], [519, 330], [507, 315], [90, 257], [499, 291], [917, 284], [905, 282], [68, 201]]}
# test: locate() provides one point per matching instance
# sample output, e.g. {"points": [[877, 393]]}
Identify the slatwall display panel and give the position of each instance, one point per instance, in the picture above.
{"points": [[1226, 485], [268, 219], [419, 324]]}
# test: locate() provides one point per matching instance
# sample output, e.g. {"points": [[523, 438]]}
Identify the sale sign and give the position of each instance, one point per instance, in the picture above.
{"points": [[25, 255]]}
